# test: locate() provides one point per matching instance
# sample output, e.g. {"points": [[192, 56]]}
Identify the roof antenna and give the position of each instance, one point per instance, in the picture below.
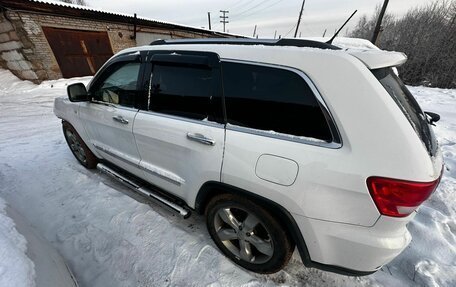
{"points": [[335, 35]]}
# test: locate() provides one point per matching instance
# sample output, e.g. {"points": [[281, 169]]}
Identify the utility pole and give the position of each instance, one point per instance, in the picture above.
{"points": [[254, 31], [209, 19], [379, 23], [299, 19], [224, 18]]}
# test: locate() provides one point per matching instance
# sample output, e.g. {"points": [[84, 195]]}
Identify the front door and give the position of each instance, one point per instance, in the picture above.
{"points": [[108, 118], [180, 135]]}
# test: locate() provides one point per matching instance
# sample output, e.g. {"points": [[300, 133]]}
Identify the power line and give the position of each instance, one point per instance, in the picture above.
{"points": [[236, 4], [294, 26], [250, 9], [308, 28], [215, 25], [246, 5], [256, 12]]}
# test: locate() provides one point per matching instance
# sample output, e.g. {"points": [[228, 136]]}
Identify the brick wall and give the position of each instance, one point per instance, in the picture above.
{"points": [[25, 50]]}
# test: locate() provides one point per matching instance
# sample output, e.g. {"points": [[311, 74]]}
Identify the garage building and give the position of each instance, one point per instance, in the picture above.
{"points": [[43, 40]]}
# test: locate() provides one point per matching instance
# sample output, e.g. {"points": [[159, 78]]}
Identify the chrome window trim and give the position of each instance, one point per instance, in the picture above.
{"points": [[117, 106], [173, 117], [282, 136], [337, 138]]}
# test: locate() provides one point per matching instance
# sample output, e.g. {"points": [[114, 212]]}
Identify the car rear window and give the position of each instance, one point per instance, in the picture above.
{"points": [[408, 105]]}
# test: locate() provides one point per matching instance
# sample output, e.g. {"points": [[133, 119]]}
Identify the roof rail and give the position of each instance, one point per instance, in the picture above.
{"points": [[233, 41]]}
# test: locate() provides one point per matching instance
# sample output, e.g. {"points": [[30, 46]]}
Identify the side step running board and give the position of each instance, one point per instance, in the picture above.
{"points": [[143, 190]]}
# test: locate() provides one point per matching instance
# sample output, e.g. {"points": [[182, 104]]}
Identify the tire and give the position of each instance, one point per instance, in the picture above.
{"points": [[77, 146], [236, 223]]}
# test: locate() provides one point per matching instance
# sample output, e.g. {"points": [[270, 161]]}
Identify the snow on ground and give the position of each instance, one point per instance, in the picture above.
{"points": [[113, 237], [16, 269]]}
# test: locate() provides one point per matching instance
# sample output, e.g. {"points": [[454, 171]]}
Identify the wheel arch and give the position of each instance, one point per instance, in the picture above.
{"points": [[92, 158], [213, 188], [83, 136]]}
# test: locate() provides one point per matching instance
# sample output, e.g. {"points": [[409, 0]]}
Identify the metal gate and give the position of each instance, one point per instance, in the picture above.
{"points": [[78, 53]]}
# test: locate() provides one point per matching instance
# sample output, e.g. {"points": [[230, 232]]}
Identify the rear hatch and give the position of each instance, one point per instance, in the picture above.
{"points": [[381, 64], [409, 106]]}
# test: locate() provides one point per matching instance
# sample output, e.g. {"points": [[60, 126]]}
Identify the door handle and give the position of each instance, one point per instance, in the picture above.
{"points": [[200, 138], [120, 119]]}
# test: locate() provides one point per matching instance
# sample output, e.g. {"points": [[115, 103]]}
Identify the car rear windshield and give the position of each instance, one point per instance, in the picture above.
{"points": [[408, 105]]}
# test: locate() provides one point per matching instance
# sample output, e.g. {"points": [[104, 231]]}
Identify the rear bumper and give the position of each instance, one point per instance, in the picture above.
{"points": [[351, 249]]}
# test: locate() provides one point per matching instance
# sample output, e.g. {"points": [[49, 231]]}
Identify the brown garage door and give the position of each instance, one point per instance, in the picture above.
{"points": [[78, 53]]}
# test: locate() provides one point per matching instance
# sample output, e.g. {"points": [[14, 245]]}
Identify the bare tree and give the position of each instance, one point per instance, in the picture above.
{"points": [[427, 35], [78, 2]]}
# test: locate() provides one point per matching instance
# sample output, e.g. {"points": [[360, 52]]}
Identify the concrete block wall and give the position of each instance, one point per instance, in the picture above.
{"points": [[11, 51]]}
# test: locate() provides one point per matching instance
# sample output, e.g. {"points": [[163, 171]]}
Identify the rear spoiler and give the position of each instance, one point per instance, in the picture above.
{"points": [[375, 59]]}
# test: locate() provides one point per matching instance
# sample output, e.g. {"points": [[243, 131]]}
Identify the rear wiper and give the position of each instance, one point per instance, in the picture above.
{"points": [[432, 117]]}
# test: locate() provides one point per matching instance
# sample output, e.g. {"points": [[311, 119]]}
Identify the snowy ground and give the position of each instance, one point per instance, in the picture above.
{"points": [[111, 237], [16, 269]]}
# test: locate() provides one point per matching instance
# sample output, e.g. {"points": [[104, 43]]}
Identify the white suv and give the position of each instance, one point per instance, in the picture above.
{"points": [[280, 143]]}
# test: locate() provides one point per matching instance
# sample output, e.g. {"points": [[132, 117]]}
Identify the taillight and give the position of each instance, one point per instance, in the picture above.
{"points": [[399, 198]]}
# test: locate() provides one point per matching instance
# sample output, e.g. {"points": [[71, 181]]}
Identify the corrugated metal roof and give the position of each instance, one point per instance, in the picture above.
{"points": [[99, 10]]}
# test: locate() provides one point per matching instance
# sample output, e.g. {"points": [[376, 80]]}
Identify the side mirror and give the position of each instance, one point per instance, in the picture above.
{"points": [[77, 93], [432, 117]]}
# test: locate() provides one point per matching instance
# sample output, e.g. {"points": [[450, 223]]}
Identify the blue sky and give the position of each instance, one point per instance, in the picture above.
{"points": [[268, 15]]}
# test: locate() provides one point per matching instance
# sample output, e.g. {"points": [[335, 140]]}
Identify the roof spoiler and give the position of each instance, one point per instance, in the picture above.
{"points": [[376, 59]]}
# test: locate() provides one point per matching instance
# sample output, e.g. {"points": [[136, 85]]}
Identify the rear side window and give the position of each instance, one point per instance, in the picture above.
{"points": [[184, 91], [408, 105], [272, 99]]}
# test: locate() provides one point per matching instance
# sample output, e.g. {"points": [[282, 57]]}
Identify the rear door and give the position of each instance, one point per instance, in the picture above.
{"points": [[108, 118], [180, 134]]}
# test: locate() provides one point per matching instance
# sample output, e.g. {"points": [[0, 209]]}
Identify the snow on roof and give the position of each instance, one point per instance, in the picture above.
{"points": [[372, 56], [348, 43], [99, 10], [354, 43]]}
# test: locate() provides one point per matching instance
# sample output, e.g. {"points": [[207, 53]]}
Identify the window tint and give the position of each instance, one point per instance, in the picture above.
{"points": [[119, 86], [408, 105], [272, 99], [185, 91]]}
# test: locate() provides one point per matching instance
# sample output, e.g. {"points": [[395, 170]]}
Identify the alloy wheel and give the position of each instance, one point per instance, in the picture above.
{"points": [[76, 146], [244, 235]]}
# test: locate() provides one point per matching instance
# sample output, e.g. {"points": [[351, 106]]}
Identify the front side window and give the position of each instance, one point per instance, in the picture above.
{"points": [[119, 85], [185, 91], [272, 100]]}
